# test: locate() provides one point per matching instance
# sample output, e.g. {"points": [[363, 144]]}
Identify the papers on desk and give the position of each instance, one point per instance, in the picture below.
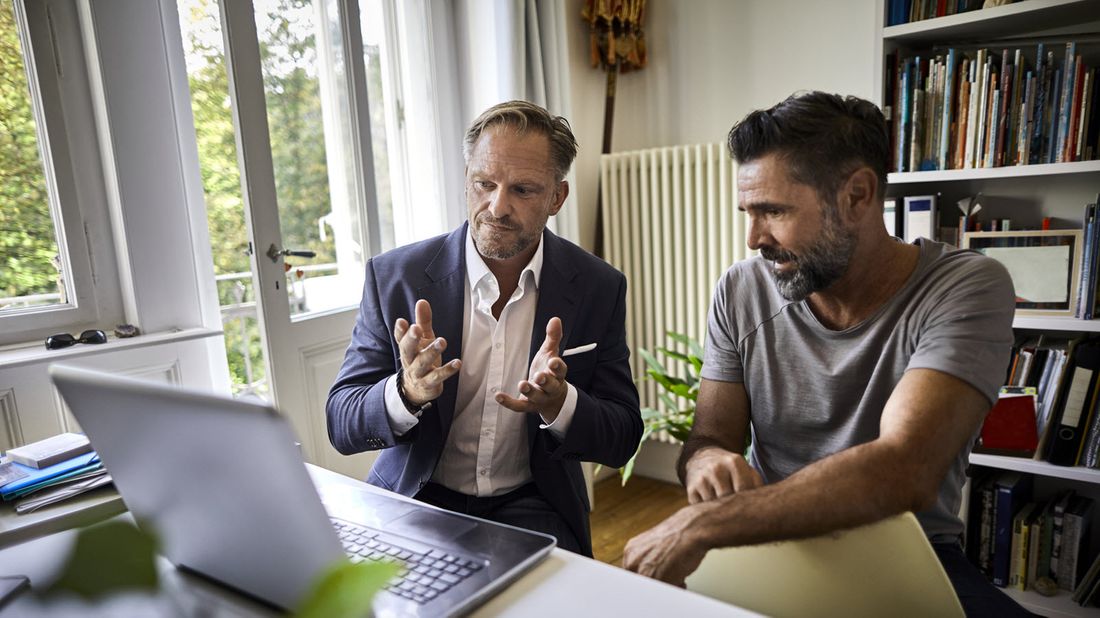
{"points": [[65, 490], [63, 480]]}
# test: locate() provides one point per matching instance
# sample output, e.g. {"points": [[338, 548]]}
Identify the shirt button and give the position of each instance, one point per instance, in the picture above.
{"points": [[494, 390], [483, 472], [496, 346]]}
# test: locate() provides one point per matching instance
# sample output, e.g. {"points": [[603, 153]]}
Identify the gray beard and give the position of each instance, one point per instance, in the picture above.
{"points": [[492, 246], [818, 267]]}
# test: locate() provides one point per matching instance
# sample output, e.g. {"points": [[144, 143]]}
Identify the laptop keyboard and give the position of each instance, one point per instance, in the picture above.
{"points": [[426, 573]]}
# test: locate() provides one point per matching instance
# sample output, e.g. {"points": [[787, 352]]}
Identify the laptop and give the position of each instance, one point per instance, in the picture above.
{"points": [[222, 484]]}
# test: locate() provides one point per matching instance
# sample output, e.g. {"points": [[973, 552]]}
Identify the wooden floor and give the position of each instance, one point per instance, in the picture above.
{"points": [[623, 512]]}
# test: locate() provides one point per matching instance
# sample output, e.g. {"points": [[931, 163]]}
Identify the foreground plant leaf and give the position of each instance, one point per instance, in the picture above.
{"points": [[347, 589]]}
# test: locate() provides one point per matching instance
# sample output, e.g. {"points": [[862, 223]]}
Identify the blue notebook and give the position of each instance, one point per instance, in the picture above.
{"points": [[58, 471]]}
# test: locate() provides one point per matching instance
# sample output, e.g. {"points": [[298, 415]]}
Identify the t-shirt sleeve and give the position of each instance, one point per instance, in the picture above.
{"points": [[722, 354], [968, 332]]}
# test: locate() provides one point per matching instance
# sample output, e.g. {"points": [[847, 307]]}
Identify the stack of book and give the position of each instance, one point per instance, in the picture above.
{"points": [[50, 471], [1015, 540], [965, 109]]}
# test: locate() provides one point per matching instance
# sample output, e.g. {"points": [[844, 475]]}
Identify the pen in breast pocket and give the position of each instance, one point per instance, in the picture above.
{"points": [[578, 350]]}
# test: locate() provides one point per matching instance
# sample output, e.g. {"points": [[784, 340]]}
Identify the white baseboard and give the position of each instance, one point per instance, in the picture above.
{"points": [[658, 461]]}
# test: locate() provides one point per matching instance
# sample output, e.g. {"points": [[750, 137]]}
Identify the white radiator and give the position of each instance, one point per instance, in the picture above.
{"points": [[670, 223]]}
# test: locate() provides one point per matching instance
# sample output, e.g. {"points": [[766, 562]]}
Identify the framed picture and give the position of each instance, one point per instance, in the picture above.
{"points": [[1045, 266]]}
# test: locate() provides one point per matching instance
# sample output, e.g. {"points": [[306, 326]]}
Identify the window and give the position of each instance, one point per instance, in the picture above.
{"points": [[48, 157], [324, 202]]}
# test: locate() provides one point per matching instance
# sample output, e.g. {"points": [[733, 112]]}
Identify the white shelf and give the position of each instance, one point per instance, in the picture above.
{"points": [[1060, 605], [1064, 324], [995, 23], [986, 173], [15, 356], [1040, 468]]}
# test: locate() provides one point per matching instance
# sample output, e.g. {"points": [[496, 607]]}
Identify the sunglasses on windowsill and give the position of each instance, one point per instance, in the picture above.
{"points": [[64, 340]]}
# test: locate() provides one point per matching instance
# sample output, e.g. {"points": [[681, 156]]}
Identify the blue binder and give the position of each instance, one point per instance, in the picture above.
{"points": [[50, 474]]}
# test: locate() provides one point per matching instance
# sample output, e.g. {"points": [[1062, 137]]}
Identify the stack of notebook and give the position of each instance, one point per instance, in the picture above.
{"points": [[34, 483]]}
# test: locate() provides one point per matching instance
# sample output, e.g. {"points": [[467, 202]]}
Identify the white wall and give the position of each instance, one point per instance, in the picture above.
{"points": [[710, 63]]}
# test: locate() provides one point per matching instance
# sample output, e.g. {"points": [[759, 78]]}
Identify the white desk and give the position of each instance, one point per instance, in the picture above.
{"points": [[564, 584]]}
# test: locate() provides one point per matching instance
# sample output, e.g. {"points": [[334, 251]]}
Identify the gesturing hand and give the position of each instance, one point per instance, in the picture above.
{"points": [[422, 356], [544, 390], [714, 472]]}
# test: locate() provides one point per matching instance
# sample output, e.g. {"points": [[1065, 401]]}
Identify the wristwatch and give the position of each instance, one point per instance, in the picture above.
{"points": [[413, 408]]}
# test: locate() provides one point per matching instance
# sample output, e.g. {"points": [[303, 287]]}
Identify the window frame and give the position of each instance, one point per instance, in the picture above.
{"points": [[62, 99]]}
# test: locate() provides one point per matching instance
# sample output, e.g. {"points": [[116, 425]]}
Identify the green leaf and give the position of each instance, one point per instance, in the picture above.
{"points": [[668, 401], [674, 354], [652, 362], [108, 558], [628, 470], [693, 345], [346, 589]]}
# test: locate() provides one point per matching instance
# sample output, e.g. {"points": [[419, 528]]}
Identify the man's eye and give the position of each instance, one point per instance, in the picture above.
{"points": [[483, 184]]}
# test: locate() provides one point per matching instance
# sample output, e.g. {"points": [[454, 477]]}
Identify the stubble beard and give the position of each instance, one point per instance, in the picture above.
{"points": [[498, 245], [821, 265]]}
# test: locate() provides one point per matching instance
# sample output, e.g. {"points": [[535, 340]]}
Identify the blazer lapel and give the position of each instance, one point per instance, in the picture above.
{"points": [[558, 297], [444, 291]]}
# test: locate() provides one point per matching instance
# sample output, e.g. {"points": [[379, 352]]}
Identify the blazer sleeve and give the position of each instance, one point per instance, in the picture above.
{"points": [[356, 407], [607, 424]]}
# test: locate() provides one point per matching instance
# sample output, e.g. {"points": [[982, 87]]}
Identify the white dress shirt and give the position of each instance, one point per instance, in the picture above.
{"points": [[486, 452]]}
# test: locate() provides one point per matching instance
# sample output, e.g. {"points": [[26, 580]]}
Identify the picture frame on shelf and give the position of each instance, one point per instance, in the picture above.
{"points": [[1044, 265]]}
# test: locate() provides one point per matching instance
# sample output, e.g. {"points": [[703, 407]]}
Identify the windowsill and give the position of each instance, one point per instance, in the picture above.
{"points": [[16, 356]]}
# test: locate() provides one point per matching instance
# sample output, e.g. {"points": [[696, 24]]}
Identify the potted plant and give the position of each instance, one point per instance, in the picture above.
{"points": [[676, 412]]}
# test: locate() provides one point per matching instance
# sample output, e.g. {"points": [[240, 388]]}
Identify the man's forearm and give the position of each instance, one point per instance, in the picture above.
{"points": [[857, 486]]}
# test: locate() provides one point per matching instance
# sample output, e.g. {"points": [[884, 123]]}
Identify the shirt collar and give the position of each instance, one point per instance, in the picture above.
{"points": [[476, 269]]}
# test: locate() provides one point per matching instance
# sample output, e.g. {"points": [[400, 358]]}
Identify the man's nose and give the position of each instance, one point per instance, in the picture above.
{"points": [[755, 235], [498, 204]]}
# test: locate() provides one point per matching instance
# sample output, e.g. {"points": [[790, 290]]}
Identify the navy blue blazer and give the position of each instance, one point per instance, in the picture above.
{"points": [[584, 291]]}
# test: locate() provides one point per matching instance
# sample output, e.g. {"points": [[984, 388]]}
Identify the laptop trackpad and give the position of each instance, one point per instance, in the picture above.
{"points": [[428, 525]]}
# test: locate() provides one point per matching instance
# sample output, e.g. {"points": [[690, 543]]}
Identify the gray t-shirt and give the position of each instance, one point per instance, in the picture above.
{"points": [[814, 391]]}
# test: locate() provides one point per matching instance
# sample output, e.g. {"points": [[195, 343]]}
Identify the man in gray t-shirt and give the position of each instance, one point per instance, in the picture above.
{"points": [[863, 365]]}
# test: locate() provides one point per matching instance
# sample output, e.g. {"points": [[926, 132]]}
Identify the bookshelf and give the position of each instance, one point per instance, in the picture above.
{"points": [[1025, 194]]}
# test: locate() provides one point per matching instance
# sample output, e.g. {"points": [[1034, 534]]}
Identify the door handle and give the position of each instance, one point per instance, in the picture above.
{"points": [[275, 253]]}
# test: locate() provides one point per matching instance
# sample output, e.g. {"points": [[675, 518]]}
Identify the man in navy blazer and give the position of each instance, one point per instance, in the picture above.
{"points": [[515, 367]]}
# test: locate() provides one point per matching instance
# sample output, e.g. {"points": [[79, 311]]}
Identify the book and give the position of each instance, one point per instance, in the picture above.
{"points": [[1060, 506], [1017, 568], [1088, 582], [1010, 427], [1035, 542], [1076, 403], [1013, 491], [51, 450], [1075, 541]]}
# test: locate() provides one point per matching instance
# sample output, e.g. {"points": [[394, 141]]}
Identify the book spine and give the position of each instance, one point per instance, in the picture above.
{"points": [[949, 94], [1002, 542], [1024, 152], [1067, 556], [1035, 148], [985, 539], [1086, 114], [1007, 71]]}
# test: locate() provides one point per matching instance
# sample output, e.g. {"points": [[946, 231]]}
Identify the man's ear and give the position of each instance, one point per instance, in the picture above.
{"points": [[559, 198], [860, 194]]}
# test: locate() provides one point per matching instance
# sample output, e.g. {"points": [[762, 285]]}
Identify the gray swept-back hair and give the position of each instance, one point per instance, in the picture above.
{"points": [[524, 116]]}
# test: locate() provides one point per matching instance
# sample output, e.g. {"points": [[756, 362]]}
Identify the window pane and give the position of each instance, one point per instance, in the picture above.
{"points": [[379, 64], [30, 262], [305, 83], [200, 25]]}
